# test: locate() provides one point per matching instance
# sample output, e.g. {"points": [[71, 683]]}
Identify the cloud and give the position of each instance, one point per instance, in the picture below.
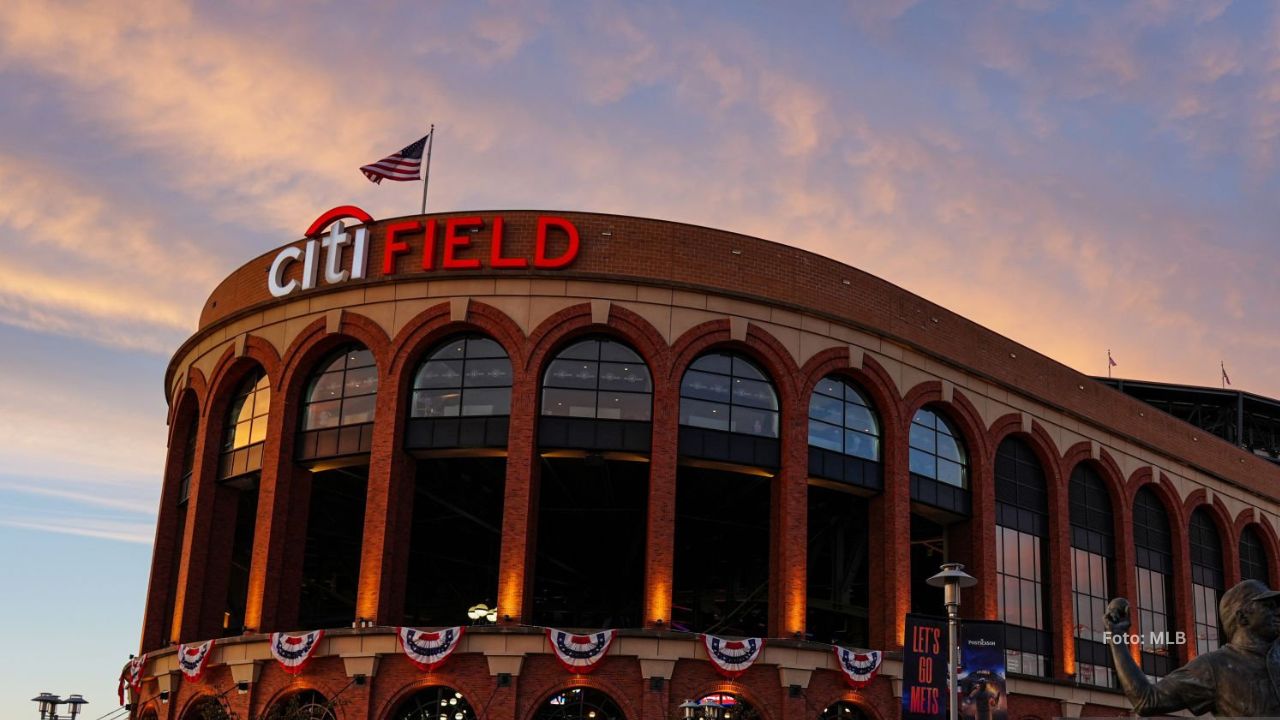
{"points": [[136, 532]]}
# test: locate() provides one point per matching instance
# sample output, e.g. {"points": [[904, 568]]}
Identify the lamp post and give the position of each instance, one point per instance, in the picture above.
{"points": [[48, 704], [951, 579]]}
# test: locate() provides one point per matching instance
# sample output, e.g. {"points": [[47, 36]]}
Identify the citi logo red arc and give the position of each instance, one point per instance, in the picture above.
{"points": [[410, 237]]}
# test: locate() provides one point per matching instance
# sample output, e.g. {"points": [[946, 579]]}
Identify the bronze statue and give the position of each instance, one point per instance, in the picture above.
{"points": [[1240, 679]]}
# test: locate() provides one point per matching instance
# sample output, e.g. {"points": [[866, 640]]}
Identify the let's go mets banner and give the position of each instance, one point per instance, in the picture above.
{"points": [[924, 669]]}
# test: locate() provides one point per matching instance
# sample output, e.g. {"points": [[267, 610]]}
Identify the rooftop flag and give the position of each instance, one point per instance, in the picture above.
{"points": [[401, 166], [1226, 380]]}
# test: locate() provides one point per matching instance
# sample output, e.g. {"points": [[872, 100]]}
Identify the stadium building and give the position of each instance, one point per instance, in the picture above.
{"points": [[594, 422]]}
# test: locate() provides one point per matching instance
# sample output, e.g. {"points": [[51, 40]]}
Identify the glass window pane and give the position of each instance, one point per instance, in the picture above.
{"points": [[258, 430], [483, 347], [358, 409], [857, 417], [948, 448], [745, 369], [630, 377], [262, 400], [361, 381], [559, 402], [950, 473], [754, 393], [713, 362], [436, 403], [486, 401], [322, 415], [359, 358], [922, 463], [624, 406], [581, 350], [704, 386], [455, 349], [826, 409], [487, 373], [439, 373], [922, 438], [825, 436], [697, 413], [861, 445], [831, 387], [754, 422], [241, 437], [326, 387], [617, 352], [571, 374]]}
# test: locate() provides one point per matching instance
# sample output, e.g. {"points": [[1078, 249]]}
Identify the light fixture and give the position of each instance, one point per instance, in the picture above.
{"points": [[164, 697], [48, 705], [951, 578], [242, 688]]}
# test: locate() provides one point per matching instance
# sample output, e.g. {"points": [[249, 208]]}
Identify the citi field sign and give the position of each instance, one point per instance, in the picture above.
{"points": [[412, 238]]}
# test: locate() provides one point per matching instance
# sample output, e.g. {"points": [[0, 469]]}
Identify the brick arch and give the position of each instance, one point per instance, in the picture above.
{"points": [[299, 684], [436, 678], [1164, 489], [435, 325], [871, 378], [227, 375], [1038, 440], [594, 681], [196, 383], [1183, 611], [720, 685], [1227, 537], [576, 321], [1270, 543], [960, 411], [313, 343], [199, 697], [760, 346], [1107, 469], [843, 694]]}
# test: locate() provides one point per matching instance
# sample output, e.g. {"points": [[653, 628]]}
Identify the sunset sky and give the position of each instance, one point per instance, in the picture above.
{"points": [[1076, 177]]}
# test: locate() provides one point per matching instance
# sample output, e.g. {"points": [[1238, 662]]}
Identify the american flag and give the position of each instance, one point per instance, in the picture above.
{"points": [[404, 165]]}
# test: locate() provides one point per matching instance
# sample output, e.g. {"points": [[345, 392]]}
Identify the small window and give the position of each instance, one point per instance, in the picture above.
{"points": [[435, 703], [245, 429], [598, 378], [725, 391], [343, 391], [467, 376], [579, 703], [841, 420], [1254, 564], [936, 451]]}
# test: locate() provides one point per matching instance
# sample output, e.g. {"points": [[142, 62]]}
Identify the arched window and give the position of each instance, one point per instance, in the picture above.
{"points": [[466, 376], [188, 464], [844, 435], [245, 430], [843, 710], [1207, 579], [1022, 529], [580, 703], [725, 391], [435, 703], [1153, 555], [1254, 564], [597, 378], [337, 412], [305, 705], [1092, 572], [936, 450], [208, 707], [733, 706]]}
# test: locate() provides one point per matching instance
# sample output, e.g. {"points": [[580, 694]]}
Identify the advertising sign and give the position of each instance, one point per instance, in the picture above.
{"points": [[924, 669], [982, 671]]}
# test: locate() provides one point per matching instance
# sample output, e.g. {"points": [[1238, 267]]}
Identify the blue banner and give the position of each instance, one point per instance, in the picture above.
{"points": [[982, 671]]}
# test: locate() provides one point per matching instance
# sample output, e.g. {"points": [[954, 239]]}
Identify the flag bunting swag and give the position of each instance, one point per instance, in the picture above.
{"points": [[859, 668], [731, 658], [131, 676], [293, 651], [429, 648], [579, 653], [192, 659]]}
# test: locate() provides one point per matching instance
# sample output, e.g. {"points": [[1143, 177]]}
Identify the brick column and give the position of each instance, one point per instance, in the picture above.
{"points": [[889, 554], [1061, 613], [654, 703], [388, 513], [979, 535], [279, 537], [520, 505], [659, 562], [189, 605], [1126, 580], [165, 558], [1184, 617], [790, 522]]}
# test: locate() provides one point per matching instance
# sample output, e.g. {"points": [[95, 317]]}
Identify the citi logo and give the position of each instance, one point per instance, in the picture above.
{"points": [[334, 245]]}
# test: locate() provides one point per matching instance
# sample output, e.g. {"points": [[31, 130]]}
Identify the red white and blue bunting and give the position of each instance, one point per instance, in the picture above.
{"points": [[731, 658], [429, 648], [579, 653], [294, 651], [131, 676], [192, 659], [859, 668]]}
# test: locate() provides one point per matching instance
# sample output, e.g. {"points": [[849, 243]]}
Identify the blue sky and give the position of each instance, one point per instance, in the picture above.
{"points": [[1076, 176]]}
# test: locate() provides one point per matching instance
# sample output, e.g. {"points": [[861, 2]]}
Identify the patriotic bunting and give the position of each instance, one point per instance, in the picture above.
{"points": [[192, 659], [859, 668], [579, 653], [731, 658], [293, 651], [427, 649], [131, 676]]}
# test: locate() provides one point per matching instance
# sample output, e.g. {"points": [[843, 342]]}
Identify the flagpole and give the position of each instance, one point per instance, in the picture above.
{"points": [[426, 175]]}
